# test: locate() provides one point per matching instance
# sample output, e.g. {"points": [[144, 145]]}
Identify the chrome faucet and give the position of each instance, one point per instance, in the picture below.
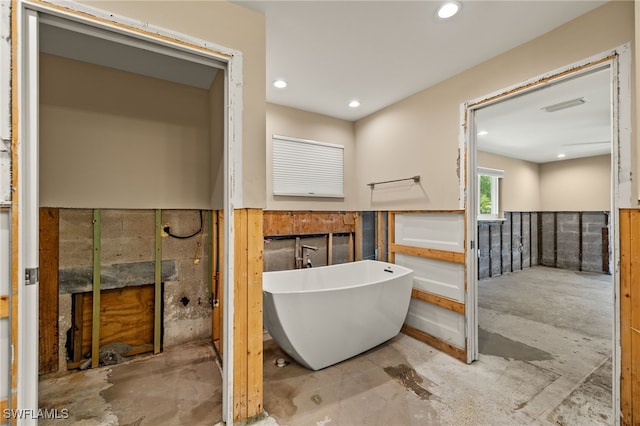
{"points": [[308, 264]]}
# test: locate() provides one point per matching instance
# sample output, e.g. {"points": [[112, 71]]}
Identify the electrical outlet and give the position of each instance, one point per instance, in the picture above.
{"points": [[165, 226]]}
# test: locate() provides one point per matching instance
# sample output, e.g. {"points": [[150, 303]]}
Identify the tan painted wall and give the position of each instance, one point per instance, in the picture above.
{"points": [[420, 135], [520, 188], [113, 139], [291, 122], [230, 26], [574, 185]]}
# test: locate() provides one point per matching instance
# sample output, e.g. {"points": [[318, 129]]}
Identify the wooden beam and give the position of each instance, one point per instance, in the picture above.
{"points": [[49, 237], [358, 235], [626, 385], [391, 236], [240, 326], [281, 223], [434, 299], [634, 276], [4, 405], [330, 249], [157, 298], [448, 348], [218, 308], [4, 306], [97, 251], [446, 256], [382, 240], [255, 266], [351, 248]]}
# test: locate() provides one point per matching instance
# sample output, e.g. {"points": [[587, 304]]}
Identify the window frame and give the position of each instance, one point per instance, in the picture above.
{"points": [[496, 175]]}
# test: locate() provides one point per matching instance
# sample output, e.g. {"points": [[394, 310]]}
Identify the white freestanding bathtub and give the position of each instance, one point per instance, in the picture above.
{"points": [[323, 315]]}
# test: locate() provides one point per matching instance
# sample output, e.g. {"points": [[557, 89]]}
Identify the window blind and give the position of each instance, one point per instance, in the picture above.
{"points": [[306, 168]]}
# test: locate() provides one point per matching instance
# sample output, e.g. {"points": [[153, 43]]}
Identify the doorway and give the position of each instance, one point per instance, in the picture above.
{"points": [[181, 50], [530, 226]]}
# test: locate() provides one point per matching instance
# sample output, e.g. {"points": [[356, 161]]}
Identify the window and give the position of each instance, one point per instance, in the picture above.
{"points": [[489, 193], [307, 168]]}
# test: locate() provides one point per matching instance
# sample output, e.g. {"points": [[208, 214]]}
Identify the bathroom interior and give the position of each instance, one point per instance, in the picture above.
{"points": [[135, 226]]}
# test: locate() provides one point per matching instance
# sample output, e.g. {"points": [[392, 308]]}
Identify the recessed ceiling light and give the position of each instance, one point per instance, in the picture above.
{"points": [[280, 84], [483, 133], [561, 155], [354, 103], [448, 9]]}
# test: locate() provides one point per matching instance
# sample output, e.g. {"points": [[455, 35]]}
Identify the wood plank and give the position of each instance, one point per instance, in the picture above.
{"points": [[626, 414], [4, 405], [255, 267], [351, 248], [634, 242], [219, 309], [330, 249], [382, 240], [157, 320], [4, 306], [391, 236], [49, 236], [240, 316], [77, 326], [446, 256], [434, 299], [95, 320], [358, 236], [126, 315], [277, 223], [441, 345]]}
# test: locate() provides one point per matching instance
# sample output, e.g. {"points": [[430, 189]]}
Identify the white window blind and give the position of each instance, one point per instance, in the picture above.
{"points": [[306, 168]]}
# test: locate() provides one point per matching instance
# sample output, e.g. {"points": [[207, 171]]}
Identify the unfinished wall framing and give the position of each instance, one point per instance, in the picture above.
{"points": [[336, 235], [629, 316], [567, 240], [153, 290], [432, 243]]}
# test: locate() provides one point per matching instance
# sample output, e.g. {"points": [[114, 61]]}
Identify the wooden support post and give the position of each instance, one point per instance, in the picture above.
{"points": [[157, 306], [358, 236], [218, 306], [351, 249], [382, 245], [97, 251], [48, 290], [490, 229], [628, 260], [391, 235], [247, 348], [330, 249]]}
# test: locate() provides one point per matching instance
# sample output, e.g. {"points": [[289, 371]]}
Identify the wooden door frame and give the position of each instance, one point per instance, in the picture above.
{"points": [[24, 223], [618, 60]]}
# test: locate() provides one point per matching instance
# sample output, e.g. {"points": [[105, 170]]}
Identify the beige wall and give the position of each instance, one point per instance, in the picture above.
{"points": [[420, 135], [520, 188], [113, 139], [291, 122], [230, 26], [570, 185], [574, 185]]}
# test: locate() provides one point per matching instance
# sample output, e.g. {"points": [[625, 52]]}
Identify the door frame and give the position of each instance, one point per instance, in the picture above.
{"points": [[25, 174], [618, 60]]}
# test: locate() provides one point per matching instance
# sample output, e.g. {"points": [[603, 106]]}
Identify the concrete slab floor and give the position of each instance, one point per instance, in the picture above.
{"points": [[545, 344], [180, 386], [545, 359]]}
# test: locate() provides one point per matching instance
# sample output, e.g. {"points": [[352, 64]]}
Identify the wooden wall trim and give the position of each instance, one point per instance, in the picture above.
{"points": [[629, 225], [446, 256], [282, 223], [434, 299], [49, 248], [4, 306], [247, 342], [461, 211], [448, 348]]}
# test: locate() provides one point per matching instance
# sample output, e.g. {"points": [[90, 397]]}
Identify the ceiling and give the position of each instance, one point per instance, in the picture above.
{"points": [[380, 52]]}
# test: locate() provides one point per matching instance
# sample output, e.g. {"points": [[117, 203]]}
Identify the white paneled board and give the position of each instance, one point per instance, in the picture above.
{"points": [[438, 231]]}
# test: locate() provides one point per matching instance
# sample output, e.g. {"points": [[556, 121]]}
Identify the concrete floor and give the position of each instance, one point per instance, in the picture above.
{"points": [[545, 344]]}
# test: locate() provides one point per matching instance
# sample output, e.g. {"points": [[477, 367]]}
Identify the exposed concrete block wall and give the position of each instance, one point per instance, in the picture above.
{"points": [[568, 240], [507, 245], [575, 240], [128, 239]]}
